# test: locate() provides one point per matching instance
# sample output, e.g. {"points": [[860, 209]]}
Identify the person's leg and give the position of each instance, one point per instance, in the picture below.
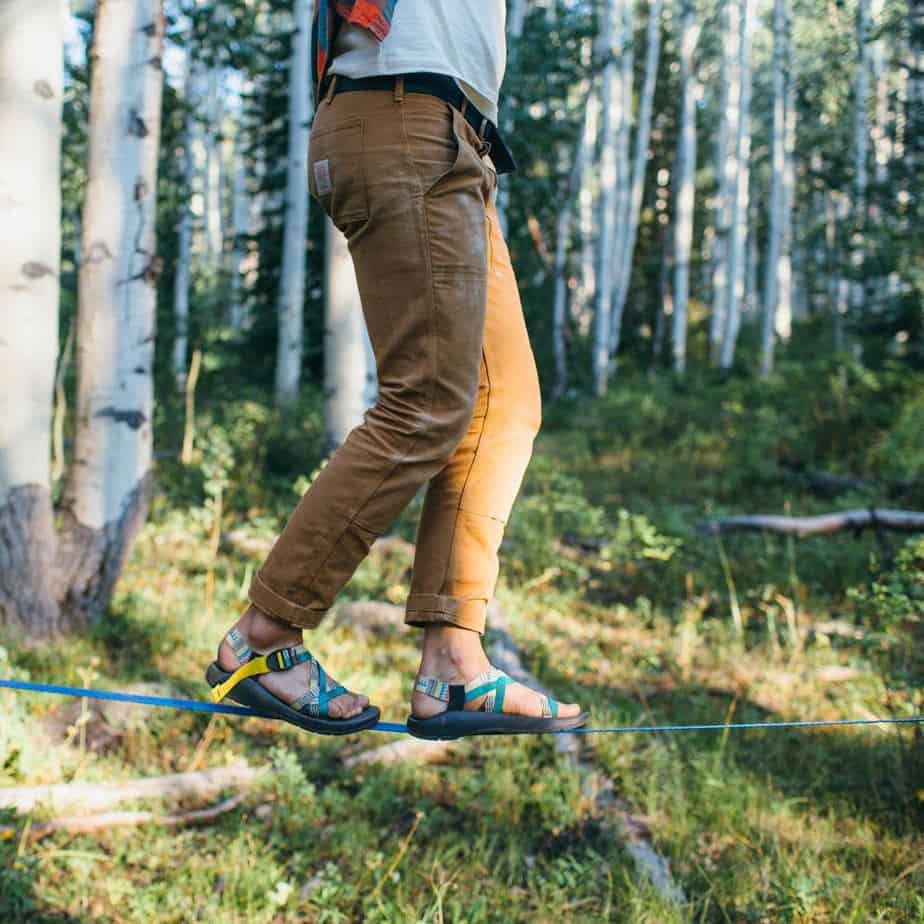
{"points": [[469, 501], [401, 177]]}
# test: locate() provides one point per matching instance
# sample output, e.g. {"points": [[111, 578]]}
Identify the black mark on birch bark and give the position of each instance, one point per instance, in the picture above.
{"points": [[133, 419]]}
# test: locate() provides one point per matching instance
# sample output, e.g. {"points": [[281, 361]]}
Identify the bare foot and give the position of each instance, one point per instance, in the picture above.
{"points": [[456, 656], [264, 634]]}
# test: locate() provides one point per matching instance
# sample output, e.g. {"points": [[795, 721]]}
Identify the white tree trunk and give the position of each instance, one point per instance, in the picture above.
{"points": [[913, 108], [516, 17], [838, 214], [31, 78], [782, 26], [611, 100], [882, 142], [214, 233], [726, 169], [587, 204], [562, 242], [240, 230], [752, 295], [183, 273], [738, 232], [639, 163], [346, 365], [860, 152], [107, 491], [684, 185], [786, 302], [622, 268], [295, 234]]}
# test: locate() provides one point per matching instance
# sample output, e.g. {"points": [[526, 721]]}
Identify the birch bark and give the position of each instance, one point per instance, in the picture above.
{"points": [[295, 234], [106, 495], [639, 164], [738, 233], [611, 121], [726, 169], [345, 353], [31, 79], [684, 185], [860, 153], [562, 242]]}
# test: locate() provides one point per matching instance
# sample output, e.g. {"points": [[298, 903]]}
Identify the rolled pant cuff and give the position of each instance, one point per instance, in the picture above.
{"points": [[271, 603], [436, 609]]}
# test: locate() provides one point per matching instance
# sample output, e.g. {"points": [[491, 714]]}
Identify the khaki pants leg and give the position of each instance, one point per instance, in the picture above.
{"points": [[468, 502], [401, 177]]}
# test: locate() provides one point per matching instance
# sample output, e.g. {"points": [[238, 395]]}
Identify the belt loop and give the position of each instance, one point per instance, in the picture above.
{"points": [[484, 128], [399, 89], [330, 89]]}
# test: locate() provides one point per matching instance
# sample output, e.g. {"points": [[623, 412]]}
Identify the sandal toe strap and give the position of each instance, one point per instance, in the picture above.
{"points": [[492, 685], [321, 692]]}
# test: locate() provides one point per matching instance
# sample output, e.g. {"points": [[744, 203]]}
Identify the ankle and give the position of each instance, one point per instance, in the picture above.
{"points": [[261, 630], [452, 653]]}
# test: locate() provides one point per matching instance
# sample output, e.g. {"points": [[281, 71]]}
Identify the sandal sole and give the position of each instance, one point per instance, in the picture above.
{"points": [[461, 724], [253, 694]]}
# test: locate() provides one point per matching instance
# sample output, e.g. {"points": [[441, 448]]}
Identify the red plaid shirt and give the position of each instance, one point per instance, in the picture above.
{"points": [[374, 15]]}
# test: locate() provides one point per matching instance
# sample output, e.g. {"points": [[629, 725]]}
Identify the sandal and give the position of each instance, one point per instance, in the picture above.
{"points": [[309, 711], [489, 719]]}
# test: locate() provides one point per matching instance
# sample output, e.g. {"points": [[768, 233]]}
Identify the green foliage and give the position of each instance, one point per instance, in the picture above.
{"points": [[552, 505], [895, 596]]}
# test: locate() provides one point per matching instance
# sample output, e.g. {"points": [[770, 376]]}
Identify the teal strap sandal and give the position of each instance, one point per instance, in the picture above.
{"points": [[489, 718], [310, 711]]}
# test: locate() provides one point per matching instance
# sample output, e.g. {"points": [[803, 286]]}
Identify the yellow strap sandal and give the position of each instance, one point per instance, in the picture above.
{"points": [[310, 711]]}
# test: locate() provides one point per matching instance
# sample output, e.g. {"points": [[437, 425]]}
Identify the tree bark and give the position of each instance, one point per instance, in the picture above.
{"points": [[639, 164], [621, 267], [345, 362], [725, 170], [516, 17], [738, 233], [684, 185], [31, 79], [292, 283], [183, 272], [562, 242], [860, 154], [611, 122], [106, 495], [778, 166]]}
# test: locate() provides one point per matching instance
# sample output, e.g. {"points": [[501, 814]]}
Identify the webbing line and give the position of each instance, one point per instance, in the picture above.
{"points": [[195, 705]]}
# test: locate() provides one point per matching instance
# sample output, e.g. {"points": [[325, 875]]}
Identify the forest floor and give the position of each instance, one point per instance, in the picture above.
{"points": [[613, 599]]}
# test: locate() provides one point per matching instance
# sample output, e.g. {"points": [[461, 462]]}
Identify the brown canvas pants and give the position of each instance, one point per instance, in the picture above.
{"points": [[403, 176]]}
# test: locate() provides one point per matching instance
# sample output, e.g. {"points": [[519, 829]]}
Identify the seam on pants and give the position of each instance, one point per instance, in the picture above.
{"points": [[425, 246], [468, 474]]}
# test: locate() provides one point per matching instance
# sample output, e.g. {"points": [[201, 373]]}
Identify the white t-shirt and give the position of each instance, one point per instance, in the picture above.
{"points": [[462, 38]]}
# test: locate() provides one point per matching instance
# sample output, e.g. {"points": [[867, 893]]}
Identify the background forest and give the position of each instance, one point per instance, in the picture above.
{"points": [[718, 231]]}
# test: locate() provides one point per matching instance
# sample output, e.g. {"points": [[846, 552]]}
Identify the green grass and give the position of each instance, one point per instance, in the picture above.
{"points": [[631, 615]]}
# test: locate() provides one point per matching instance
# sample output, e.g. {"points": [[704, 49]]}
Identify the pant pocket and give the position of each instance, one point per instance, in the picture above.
{"points": [[435, 138], [337, 176]]}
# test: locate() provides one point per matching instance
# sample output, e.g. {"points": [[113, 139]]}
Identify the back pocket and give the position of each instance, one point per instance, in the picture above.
{"points": [[336, 175]]}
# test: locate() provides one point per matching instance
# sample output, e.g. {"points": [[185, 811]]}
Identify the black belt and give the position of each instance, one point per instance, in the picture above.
{"points": [[446, 89]]}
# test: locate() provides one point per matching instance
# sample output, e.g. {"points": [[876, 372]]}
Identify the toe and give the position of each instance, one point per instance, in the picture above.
{"points": [[568, 710], [347, 706]]}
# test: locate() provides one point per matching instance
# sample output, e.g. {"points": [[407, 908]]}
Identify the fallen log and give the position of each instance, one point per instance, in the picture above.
{"points": [[406, 750], [909, 521], [633, 828], [82, 824], [93, 797]]}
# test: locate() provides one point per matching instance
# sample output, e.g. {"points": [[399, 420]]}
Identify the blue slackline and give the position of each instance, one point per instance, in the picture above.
{"points": [[195, 705]]}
